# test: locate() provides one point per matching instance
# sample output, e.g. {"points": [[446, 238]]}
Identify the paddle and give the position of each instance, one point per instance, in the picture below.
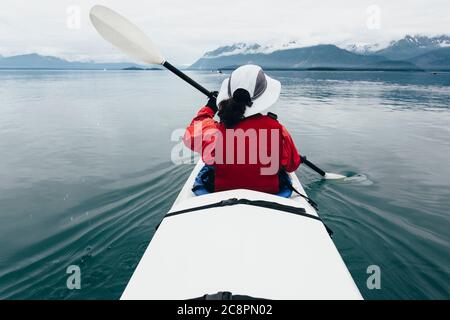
{"points": [[124, 35], [326, 175]]}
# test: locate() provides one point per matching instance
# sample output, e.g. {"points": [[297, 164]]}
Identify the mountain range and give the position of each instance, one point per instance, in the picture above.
{"points": [[409, 53], [36, 61], [411, 47]]}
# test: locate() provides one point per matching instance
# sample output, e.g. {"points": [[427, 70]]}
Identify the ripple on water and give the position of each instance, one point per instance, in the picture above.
{"points": [[357, 179], [118, 221]]}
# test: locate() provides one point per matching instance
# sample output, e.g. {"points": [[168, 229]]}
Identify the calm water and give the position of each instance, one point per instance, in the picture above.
{"points": [[85, 173]]}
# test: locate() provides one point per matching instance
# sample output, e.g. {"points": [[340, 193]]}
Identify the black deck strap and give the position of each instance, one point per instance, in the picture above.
{"points": [[256, 203], [310, 201]]}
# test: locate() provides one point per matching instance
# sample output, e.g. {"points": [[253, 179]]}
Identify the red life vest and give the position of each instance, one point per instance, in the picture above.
{"points": [[255, 173]]}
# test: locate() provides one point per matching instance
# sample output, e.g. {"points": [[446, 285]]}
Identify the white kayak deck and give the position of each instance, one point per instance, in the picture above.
{"points": [[245, 250]]}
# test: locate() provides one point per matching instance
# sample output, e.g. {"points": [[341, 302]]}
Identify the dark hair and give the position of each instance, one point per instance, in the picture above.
{"points": [[231, 111]]}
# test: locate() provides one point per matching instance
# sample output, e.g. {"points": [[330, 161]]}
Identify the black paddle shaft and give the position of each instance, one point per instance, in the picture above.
{"points": [[313, 166], [188, 79]]}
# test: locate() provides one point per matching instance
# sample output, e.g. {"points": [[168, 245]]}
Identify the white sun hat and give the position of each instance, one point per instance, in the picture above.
{"points": [[264, 91]]}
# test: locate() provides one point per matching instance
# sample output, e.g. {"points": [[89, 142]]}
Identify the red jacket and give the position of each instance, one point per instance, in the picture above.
{"points": [[245, 163]]}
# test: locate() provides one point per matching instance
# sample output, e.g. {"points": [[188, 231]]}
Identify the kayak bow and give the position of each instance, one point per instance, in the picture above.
{"points": [[244, 247]]}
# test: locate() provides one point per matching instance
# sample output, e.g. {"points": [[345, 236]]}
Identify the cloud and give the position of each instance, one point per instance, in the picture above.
{"points": [[186, 29]]}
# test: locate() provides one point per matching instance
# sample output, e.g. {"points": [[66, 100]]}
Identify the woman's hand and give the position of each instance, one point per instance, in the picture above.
{"points": [[212, 102]]}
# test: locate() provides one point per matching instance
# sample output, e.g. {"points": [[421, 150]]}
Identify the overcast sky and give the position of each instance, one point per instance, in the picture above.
{"points": [[184, 29]]}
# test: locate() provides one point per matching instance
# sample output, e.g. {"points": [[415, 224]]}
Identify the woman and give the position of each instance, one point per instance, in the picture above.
{"points": [[245, 150]]}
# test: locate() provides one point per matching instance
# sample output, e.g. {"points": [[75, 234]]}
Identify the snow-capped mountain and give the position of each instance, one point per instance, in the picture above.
{"points": [[406, 48], [319, 56], [363, 48], [237, 48], [413, 46], [424, 41], [283, 46], [253, 48], [396, 55]]}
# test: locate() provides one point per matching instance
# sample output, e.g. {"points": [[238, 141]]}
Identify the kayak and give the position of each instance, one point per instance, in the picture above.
{"points": [[241, 243]]}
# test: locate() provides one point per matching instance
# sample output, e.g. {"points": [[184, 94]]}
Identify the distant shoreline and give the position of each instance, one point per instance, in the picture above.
{"points": [[336, 69], [319, 69], [78, 69]]}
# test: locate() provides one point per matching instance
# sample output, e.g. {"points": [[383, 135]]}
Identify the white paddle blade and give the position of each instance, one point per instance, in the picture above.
{"points": [[334, 176], [121, 33]]}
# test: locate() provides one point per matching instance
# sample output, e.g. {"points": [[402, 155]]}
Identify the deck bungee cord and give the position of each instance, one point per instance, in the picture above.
{"points": [[256, 203]]}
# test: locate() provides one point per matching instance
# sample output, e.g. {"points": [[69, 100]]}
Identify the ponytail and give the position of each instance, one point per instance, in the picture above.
{"points": [[231, 111]]}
